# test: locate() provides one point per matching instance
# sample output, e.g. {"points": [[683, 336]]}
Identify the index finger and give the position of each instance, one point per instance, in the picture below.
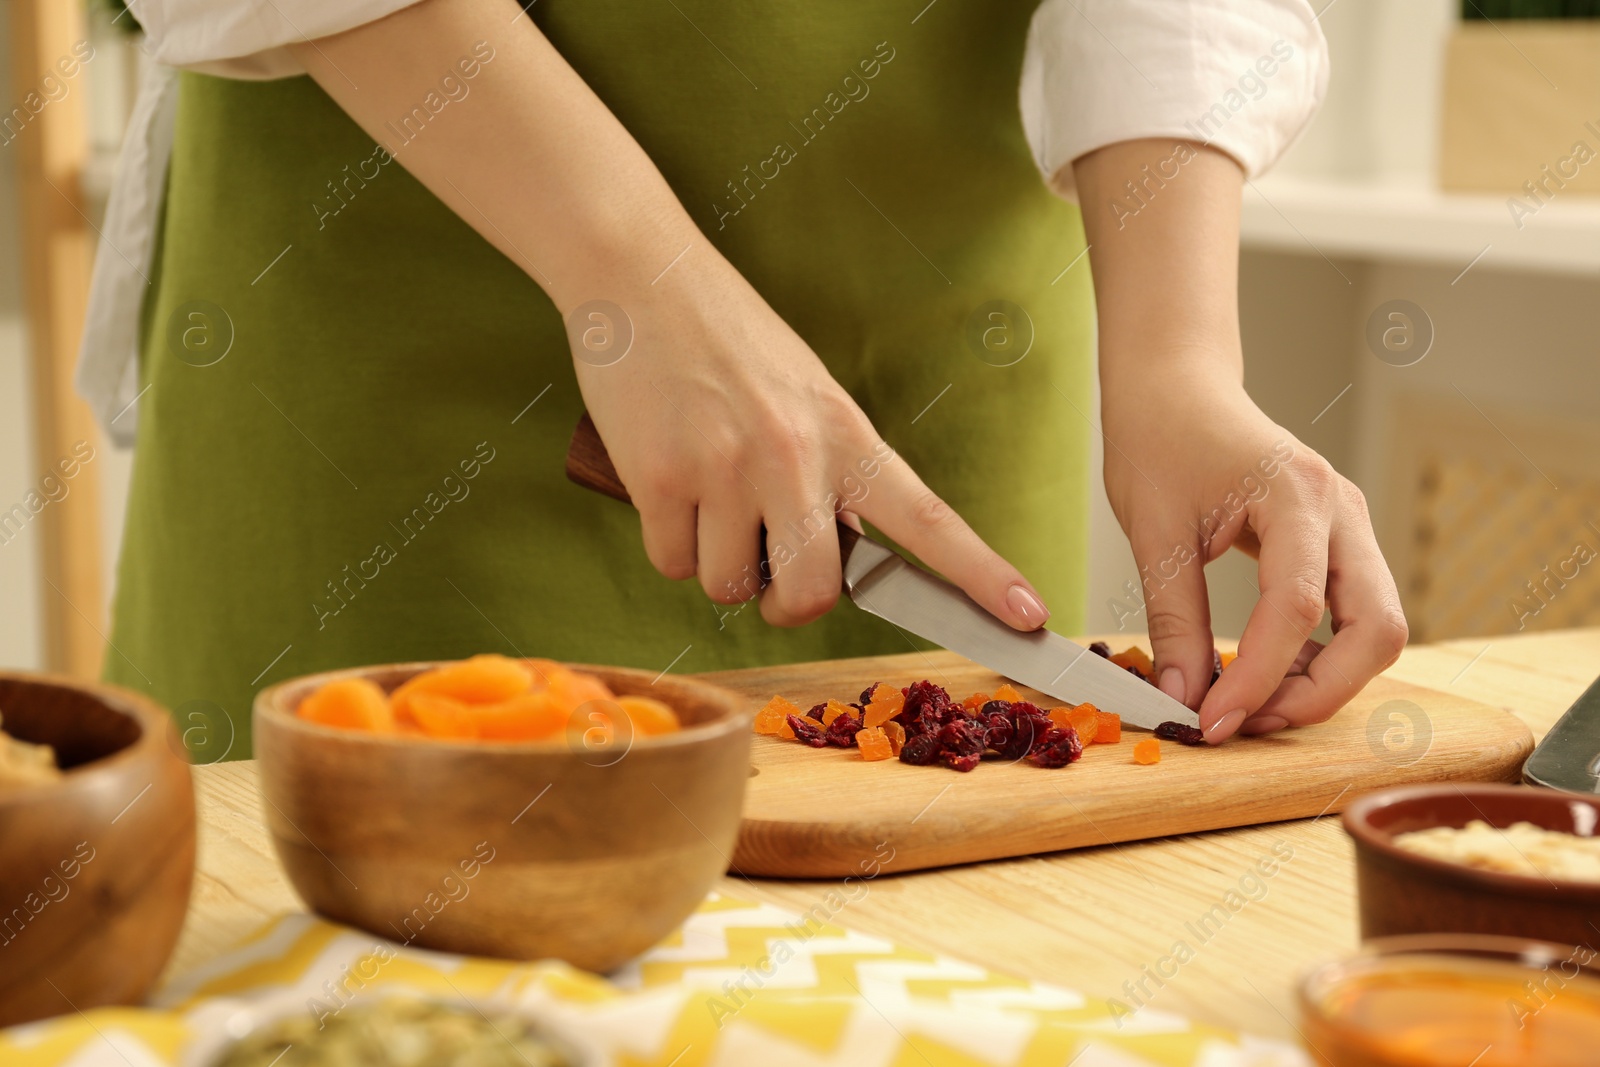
{"points": [[918, 520], [1294, 573]]}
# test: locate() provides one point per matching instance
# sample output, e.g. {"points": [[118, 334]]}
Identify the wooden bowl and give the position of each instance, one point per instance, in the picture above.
{"points": [[524, 850], [1404, 893], [95, 869]]}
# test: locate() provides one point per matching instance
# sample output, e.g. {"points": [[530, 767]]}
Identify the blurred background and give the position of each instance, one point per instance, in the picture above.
{"points": [[1418, 290]]}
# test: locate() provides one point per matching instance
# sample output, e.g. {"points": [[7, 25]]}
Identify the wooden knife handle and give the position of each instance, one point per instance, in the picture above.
{"points": [[589, 465]]}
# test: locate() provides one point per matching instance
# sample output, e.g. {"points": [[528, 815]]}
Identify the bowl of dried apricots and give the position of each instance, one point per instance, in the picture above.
{"points": [[504, 807]]}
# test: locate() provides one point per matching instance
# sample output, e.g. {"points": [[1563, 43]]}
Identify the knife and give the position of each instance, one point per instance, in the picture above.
{"points": [[1569, 756], [882, 582]]}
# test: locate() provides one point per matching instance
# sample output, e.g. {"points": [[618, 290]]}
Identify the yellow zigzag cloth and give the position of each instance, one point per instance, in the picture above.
{"points": [[740, 985]]}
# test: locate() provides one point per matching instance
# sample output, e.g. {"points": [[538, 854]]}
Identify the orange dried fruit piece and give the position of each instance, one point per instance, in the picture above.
{"points": [[1138, 659], [1147, 751], [576, 688], [896, 735], [834, 709], [976, 701], [1085, 720], [1059, 716], [874, 744], [485, 679], [773, 717], [530, 716], [442, 716], [350, 704], [1006, 692], [886, 703], [650, 717], [1227, 658], [1108, 729]]}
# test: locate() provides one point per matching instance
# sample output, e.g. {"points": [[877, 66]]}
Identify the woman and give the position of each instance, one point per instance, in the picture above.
{"points": [[788, 257]]}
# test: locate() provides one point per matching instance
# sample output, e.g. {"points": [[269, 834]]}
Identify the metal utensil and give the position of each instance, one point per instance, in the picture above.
{"points": [[880, 581]]}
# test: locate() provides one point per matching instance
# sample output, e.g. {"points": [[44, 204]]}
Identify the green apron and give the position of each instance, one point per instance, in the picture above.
{"points": [[351, 448]]}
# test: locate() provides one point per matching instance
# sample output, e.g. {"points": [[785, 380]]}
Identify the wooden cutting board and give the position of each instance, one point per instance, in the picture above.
{"points": [[828, 813]]}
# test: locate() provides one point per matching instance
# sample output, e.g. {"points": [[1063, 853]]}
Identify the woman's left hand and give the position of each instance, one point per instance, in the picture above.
{"points": [[1198, 468], [1194, 467]]}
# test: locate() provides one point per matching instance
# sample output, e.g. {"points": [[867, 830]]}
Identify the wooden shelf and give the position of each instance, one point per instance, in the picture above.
{"points": [[1412, 222]]}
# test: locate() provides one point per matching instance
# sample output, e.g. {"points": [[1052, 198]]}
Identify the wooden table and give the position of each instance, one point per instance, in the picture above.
{"points": [[1091, 919]]}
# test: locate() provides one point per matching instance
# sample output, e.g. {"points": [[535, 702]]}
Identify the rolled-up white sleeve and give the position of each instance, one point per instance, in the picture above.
{"points": [[248, 38], [1243, 76]]}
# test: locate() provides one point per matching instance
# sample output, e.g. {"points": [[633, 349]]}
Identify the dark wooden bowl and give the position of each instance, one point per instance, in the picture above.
{"points": [[1404, 893], [94, 869], [523, 850]]}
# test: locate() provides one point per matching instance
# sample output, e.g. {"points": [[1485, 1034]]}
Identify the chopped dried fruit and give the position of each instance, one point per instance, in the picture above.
{"points": [[770, 719], [1100, 648], [1177, 731], [1108, 729], [1006, 692], [975, 701], [1138, 659], [896, 735], [841, 732], [833, 709], [1057, 748], [961, 743], [1147, 751], [817, 711], [806, 731], [886, 703], [874, 744], [920, 750], [1085, 722]]}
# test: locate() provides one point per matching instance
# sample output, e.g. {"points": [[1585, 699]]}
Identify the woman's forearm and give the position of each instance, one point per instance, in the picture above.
{"points": [[1162, 221], [522, 150]]}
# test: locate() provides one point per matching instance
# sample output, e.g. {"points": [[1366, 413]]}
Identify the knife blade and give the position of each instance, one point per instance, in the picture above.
{"points": [[880, 581], [1569, 756]]}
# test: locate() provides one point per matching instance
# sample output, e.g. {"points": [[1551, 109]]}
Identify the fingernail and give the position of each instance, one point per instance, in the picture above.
{"points": [[1225, 727], [1026, 606], [1264, 724], [1172, 683]]}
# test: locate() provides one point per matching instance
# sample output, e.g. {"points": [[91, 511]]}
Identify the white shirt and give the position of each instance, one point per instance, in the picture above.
{"points": [[1244, 76]]}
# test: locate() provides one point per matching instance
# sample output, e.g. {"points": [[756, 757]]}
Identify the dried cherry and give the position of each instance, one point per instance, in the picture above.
{"points": [[1057, 748], [807, 731], [1177, 731], [841, 733], [1100, 648], [920, 750]]}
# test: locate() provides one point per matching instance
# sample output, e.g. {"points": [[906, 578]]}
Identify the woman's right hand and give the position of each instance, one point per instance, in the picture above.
{"points": [[720, 419]]}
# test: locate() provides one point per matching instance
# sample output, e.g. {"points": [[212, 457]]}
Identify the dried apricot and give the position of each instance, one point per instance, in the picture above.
{"points": [[886, 703], [896, 735], [482, 679], [1147, 751], [1061, 716], [770, 719], [531, 716], [349, 703], [1108, 728], [577, 688], [650, 717], [835, 709], [874, 744], [1006, 692], [1136, 658], [442, 716], [1085, 721]]}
